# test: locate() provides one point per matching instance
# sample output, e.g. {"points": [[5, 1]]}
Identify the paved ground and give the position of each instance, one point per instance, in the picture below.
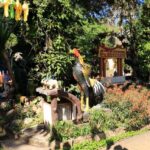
{"points": [[138, 142], [19, 145], [37, 139], [25, 147]]}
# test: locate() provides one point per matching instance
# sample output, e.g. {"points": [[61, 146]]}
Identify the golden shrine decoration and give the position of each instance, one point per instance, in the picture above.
{"points": [[14, 9], [105, 53], [117, 52]]}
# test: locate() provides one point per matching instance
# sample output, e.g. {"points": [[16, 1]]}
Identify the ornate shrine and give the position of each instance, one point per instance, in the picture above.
{"points": [[52, 111], [105, 53]]}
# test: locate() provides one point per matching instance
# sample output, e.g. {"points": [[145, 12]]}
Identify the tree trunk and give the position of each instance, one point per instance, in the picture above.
{"points": [[7, 63]]}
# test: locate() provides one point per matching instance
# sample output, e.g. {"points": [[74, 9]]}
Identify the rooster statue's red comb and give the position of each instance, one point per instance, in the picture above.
{"points": [[75, 51]]}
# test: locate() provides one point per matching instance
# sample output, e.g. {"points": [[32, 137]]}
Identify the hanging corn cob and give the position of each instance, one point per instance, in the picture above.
{"points": [[18, 11], [25, 9]]}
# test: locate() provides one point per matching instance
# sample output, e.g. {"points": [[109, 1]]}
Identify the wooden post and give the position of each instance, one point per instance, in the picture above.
{"points": [[102, 67], [119, 66], [54, 106], [121, 70]]}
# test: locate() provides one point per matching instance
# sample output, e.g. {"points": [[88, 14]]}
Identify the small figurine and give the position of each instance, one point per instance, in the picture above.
{"points": [[49, 83]]}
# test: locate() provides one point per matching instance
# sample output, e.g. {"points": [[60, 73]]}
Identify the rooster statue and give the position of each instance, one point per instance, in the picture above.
{"points": [[91, 89]]}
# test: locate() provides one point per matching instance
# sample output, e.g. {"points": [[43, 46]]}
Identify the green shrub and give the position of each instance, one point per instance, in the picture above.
{"points": [[65, 130], [121, 110], [130, 108], [100, 119], [125, 115]]}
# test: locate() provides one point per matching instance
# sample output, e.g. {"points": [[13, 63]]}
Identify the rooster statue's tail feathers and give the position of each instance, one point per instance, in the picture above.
{"points": [[97, 86]]}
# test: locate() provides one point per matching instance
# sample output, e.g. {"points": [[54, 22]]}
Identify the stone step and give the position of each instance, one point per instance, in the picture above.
{"points": [[36, 136]]}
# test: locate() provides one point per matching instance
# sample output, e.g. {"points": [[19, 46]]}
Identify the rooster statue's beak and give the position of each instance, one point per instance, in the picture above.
{"points": [[71, 51]]}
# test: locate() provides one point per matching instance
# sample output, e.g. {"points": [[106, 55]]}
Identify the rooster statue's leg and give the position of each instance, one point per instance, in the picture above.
{"points": [[87, 104], [82, 101]]}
